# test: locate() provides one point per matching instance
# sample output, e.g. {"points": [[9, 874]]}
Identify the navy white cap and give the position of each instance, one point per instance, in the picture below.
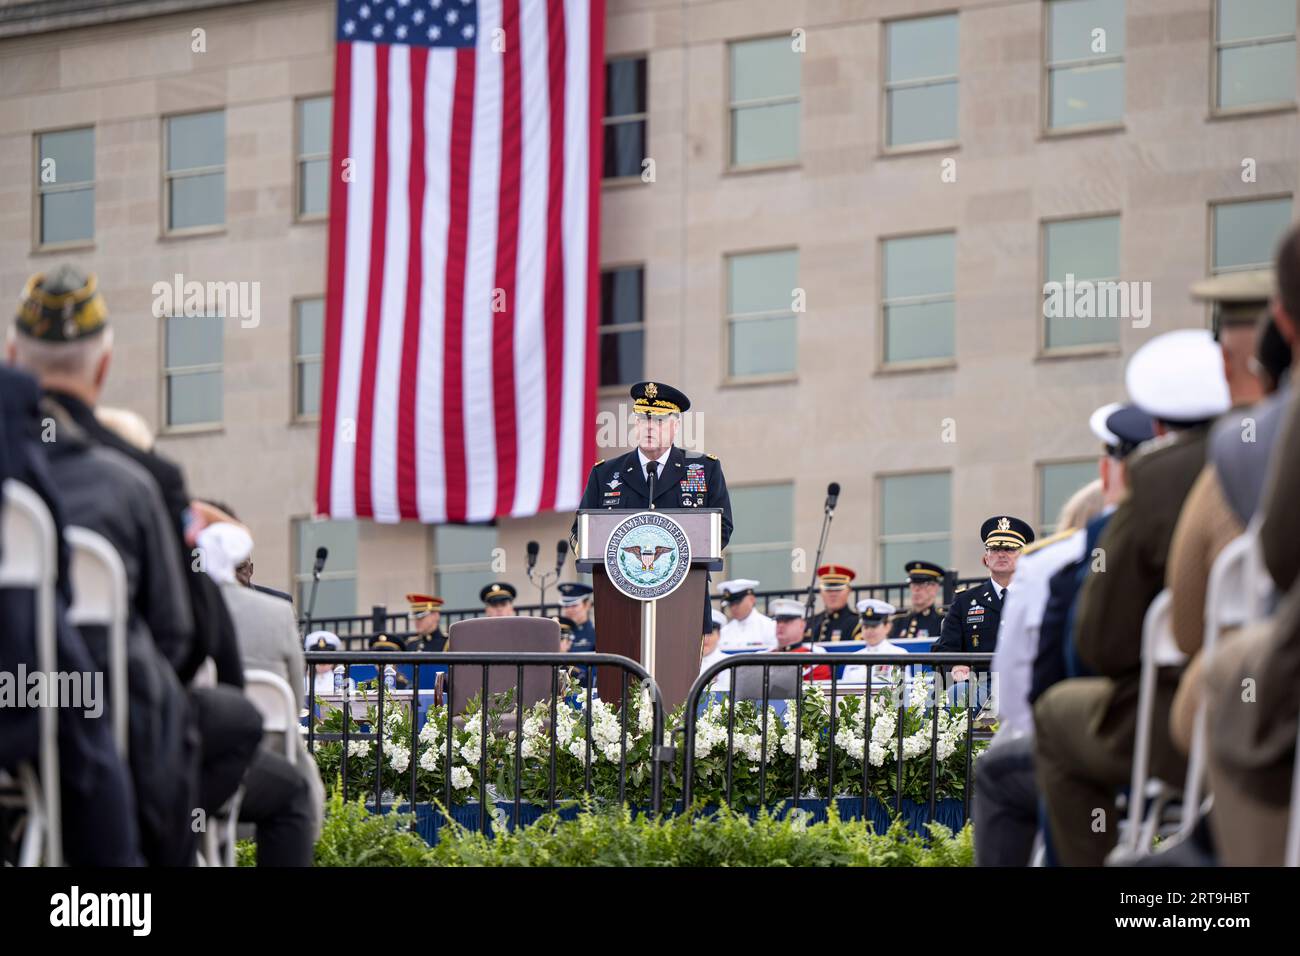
{"points": [[321, 641], [875, 611], [1178, 377], [733, 591], [1121, 428], [573, 592]]}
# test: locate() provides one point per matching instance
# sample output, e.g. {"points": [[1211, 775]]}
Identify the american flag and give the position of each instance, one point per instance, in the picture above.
{"points": [[463, 287]]}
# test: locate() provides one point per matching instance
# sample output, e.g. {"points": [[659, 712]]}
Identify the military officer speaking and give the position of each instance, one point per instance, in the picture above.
{"points": [[836, 621], [972, 622], [922, 619], [658, 474]]}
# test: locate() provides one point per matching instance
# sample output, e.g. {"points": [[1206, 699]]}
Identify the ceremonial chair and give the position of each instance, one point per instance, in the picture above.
{"points": [[1146, 794], [29, 561], [538, 635], [99, 598]]}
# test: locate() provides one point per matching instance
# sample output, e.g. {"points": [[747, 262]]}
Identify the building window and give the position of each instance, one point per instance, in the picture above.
{"points": [[918, 304], [625, 117], [921, 81], [1085, 63], [760, 313], [192, 371], [1079, 251], [313, 157], [336, 595], [1254, 53], [195, 171], [308, 346], [764, 102], [462, 562], [1056, 483], [915, 521], [1246, 234], [761, 545], [622, 325], [65, 186]]}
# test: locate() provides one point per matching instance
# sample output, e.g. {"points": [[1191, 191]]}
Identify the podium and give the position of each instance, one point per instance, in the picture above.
{"points": [[662, 634]]}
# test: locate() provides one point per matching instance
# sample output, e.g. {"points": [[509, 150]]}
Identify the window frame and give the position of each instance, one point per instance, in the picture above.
{"points": [[627, 118], [886, 87], [296, 417], [1091, 350], [297, 577], [300, 158], [764, 378], [620, 388], [1046, 129], [167, 372], [169, 176], [1212, 206], [38, 219], [730, 105], [883, 365], [881, 539], [1041, 526], [766, 546], [1217, 46]]}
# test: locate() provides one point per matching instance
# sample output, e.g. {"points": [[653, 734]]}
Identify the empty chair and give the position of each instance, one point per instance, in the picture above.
{"points": [[278, 705], [29, 560], [505, 634], [99, 598]]}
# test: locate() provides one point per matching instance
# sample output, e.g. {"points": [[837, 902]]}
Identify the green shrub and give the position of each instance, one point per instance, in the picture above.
{"points": [[353, 836]]}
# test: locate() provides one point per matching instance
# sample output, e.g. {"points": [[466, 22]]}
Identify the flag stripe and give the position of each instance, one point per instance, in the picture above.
{"points": [[554, 291], [336, 273], [406, 406], [504, 292], [595, 169], [454, 309]]}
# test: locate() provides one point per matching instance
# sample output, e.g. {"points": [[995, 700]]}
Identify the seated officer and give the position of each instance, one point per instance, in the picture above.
{"points": [[922, 619], [575, 605], [788, 615], [875, 625], [323, 674], [426, 612], [749, 628], [383, 642], [498, 599], [836, 621]]}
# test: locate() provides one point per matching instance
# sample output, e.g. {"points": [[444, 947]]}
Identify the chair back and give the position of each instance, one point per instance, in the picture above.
{"points": [[278, 705], [99, 598], [485, 634]]}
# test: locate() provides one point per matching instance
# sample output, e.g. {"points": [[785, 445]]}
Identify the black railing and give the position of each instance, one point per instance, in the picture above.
{"points": [[490, 720], [381, 621], [933, 703]]}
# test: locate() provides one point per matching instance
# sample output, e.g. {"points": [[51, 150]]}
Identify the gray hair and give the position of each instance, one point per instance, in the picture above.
{"points": [[72, 360]]}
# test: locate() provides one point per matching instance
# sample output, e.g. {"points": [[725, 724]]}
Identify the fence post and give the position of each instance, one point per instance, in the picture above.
{"points": [[378, 619], [949, 586]]}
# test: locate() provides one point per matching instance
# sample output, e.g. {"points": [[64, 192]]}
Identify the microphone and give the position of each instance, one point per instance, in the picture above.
{"points": [[832, 496], [532, 554], [321, 554], [561, 552]]}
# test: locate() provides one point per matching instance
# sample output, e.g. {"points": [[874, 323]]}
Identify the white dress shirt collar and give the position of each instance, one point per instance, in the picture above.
{"points": [[662, 459]]}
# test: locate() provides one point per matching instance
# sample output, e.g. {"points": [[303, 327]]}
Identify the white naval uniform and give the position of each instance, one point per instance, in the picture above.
{"points": [[757, 632], [881, 673], [723, 681]]}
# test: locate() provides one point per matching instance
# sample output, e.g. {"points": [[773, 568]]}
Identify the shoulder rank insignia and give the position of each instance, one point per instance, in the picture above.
{"points": [[599, 463], [1050, 539], [714, 457]]}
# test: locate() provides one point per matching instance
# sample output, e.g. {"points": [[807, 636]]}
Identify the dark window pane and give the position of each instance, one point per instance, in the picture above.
{"points": [[624, 149], [625, 87], [621, 297], [198, 139], [621, 357], [73, 153], [68, 216], [198, 201]]}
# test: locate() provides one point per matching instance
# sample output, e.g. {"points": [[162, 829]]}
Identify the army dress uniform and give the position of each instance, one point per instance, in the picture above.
{"points": [[971, 624], [842, 625], [927, 623]]}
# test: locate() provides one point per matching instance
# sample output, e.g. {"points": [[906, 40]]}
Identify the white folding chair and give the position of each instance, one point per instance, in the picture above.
{"points": [[1158, 650], [1292, 857], [99, 598], [29, 560], [278, 704]]}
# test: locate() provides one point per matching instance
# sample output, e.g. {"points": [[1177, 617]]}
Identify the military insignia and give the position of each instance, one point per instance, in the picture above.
{"points": [[1004, 524], [614, 482], [694, 482], [651, 390], [975, 641]]}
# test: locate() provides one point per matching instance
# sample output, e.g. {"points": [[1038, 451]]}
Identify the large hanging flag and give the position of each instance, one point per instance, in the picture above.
{"points": [[463, 288]]}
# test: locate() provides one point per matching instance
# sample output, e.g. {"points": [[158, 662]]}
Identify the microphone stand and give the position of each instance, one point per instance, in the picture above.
{"points": [[543, 580], [817, 561], [311, 601]]}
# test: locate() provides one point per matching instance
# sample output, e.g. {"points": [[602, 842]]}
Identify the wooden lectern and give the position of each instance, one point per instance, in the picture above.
{"points": [[669, 632]]}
